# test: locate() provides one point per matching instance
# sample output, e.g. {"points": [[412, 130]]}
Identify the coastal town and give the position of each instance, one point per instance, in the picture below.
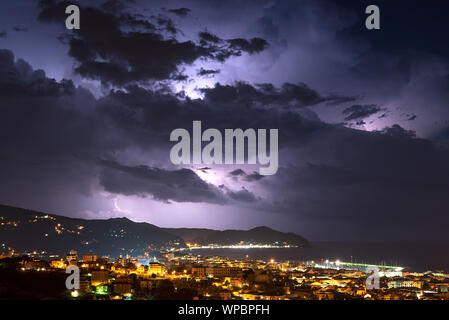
{"points": [[188, 276]]}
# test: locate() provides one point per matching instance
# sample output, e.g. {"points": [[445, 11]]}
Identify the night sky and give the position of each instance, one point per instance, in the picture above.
{"points": [[363, 115]]}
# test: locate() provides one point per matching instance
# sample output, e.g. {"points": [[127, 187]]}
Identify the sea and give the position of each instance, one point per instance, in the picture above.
{"points": [[417, 257]]}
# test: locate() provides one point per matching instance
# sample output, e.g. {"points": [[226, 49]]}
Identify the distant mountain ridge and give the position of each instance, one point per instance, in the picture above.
{"points": [[36, 231], [258, 235], [28, 231]]}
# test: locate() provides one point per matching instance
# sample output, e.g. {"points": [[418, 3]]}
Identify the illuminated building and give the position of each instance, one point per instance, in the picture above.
{"points": [[225, 295], [156, 267], [261, 276], [146, 284], [35, 265], [99, 277], [141, 268], [222, 271], [404, 283], [440, 287], [90, 258], [84, 285], [72, 256], [122, 287], [124, 261], [235, 282], [57, 264], [199, 271], [170, 256], [262, 280], [101, 290]]}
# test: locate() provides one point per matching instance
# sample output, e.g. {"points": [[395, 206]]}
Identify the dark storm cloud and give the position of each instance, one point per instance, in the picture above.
{"points": [[233, 47], [3, 34], [410, 35], [53, 10], [181, 185], [53, 132], [167, 24], [39, 113], [237, 45], [207, 37], [207, 72], [147, 117], [48, 134], [330, 176], [358, 111], [242, 195], [289, 95], [116, 5], [126, 56], [254, 45], [408, 162], [49, 140], [18, 80], [397, 131], [413, 54], [136, 22], [255, 176], [106, 51], [403, 30], [333, 182], [20, 29], [237, 172], [179, 77], [182, 12], [378, 185]]}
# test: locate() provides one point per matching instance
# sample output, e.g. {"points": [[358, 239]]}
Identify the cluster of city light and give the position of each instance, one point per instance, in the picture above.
{"points": [[59, 229], [227, 280], [9, 223], [237, 246]]}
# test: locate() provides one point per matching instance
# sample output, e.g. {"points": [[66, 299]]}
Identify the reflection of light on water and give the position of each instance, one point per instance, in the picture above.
{"points": [[243, 246]]}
